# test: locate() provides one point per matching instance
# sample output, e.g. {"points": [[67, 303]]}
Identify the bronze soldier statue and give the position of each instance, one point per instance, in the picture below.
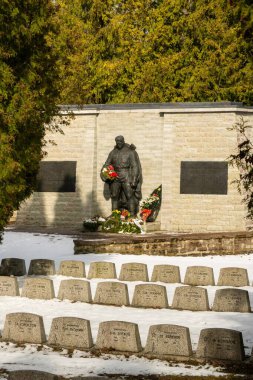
{"points": [[125, 189]]}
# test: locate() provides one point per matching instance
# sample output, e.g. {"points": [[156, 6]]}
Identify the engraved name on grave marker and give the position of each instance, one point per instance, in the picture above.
{"points": [[190, 298], [13, 267], [43, 267], [70, 332], [150, 295], [72, 268], [119, 336], [166, 273], [102, 269], [233, 277], [170, 340], [134, 272], [38, 288], [112, 293], [235, 300], [199, 275], [75, 290], [218, 343], [24, 328], [9, 286]]}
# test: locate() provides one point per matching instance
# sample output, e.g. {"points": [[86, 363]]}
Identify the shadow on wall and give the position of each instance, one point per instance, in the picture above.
{"points": [[70, 209], [32, 211], [66, 208]]}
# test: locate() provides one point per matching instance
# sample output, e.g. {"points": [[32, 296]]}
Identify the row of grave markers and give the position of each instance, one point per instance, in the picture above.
{"points": [[116, 293], [163, 341], [195, 275]]}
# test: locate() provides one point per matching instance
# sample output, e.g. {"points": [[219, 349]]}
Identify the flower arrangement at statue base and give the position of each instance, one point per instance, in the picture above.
{"points": [[149, 207], [121, 222], [117, 222]]}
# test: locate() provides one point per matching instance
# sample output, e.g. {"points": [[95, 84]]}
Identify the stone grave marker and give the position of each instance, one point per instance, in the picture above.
{"points": [[119, 336], [190, 298], [166, 273], [233, 277], [72, 268], [38, 288], [70, 332], [102, 269], [236, 300], [134, 272], [24, 328], [199, 275], [9, 286], [222, 344], [150, 295], [170, 340], [31, 375], [13, 267], [43, 267], [75, 290], [112, 293]]}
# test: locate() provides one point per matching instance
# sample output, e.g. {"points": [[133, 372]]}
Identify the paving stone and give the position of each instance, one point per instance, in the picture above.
{"points": [[190, 298], [102, 269], [134, 272], [199, 275], [24, 328], [236, 300], [170, 340], [222, 344], [31, 375], [75, 290], [42, 267], [119, 336], [70, 332], [9, 286], [13, 267], [38, 288], [72, 268], [150, 295], [166, 273], [112, 293], [233, 277]]}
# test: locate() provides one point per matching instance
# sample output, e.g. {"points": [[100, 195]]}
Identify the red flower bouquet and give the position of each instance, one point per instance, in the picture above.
{"points": [[108, 173]]}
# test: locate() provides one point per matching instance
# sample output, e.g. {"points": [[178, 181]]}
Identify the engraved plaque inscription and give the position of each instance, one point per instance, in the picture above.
{"points": [[203, 177], [57, 176]]}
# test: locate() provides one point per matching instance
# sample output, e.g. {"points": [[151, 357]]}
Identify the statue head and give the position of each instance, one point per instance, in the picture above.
{"points": [[120, 142]]}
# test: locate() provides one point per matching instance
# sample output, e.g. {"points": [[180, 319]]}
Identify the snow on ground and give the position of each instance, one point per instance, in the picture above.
{"points": [[58, 248]]}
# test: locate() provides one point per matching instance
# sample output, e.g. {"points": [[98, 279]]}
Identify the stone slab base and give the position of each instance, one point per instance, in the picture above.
{"points": [[166, 244]]}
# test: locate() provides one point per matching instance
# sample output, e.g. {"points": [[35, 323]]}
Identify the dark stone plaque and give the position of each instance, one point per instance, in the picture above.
{"points": [[57, 176], [203, 177]]}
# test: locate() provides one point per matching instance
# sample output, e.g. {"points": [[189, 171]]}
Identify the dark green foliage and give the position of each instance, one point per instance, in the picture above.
{"points": [[155, 50], [243, 161], [28, 95]]}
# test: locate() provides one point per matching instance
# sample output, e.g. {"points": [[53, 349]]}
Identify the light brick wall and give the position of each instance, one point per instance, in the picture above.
{"points": [[199, 137], [164, 137], [66, 209]]}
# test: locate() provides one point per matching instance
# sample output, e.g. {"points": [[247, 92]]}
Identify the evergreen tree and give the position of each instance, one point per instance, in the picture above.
{"points": [[156, 50], [28, 93]]}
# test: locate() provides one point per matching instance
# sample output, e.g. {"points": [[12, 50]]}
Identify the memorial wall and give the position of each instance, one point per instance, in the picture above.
{"points": [[183, 146]]}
